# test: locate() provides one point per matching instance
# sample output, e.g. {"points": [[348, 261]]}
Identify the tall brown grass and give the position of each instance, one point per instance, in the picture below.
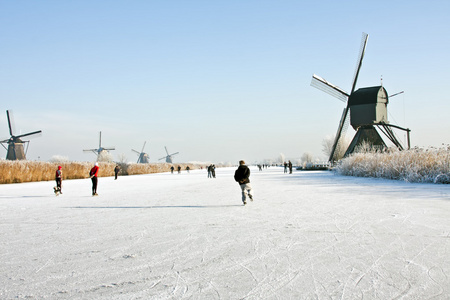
{"points": [[28, 171]]}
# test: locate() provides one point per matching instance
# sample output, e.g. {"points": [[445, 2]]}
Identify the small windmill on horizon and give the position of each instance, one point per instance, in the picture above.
{"points": [[168, 157], [15, 149], [143, 158], [366, 110], [100, 149]]}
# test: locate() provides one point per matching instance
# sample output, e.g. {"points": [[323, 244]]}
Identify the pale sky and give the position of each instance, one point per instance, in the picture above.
{"points": [[215, 80]]}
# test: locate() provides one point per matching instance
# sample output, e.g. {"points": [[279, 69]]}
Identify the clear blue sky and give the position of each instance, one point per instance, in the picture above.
{"points": [[215, 80]]}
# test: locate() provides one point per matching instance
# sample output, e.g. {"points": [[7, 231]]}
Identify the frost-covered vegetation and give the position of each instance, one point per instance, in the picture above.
{"points": [[28, 171], [415, 165]]}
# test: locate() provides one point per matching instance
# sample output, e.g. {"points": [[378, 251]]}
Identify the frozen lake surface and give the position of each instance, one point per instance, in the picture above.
{"points": [[307, 235]]}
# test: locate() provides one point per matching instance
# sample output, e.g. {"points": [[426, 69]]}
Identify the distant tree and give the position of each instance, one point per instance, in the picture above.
{"points": [[123, 159], [59, 159], [105, 156], [327, 146], [281, 158], [307, 157]]}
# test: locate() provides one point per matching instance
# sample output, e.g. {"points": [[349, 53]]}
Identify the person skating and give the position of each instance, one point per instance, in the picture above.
{"points": [[213, 171], [290, 167], [171, 169], [209, 171], [179, 169], [116, 171], [58, 179], [242, 176], [93, 174]]}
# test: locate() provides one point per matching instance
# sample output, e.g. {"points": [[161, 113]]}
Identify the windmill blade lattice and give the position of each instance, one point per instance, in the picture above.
{"points": [[331, 89], [362, 50], [339, 139]]}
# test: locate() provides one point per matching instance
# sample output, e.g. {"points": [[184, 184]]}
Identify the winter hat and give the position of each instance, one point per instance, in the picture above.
{"points": [[96, 164], [59, 167]]}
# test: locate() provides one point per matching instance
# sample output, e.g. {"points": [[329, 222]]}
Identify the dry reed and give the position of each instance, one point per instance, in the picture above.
{"points": [[28, 171], [415, 165]]}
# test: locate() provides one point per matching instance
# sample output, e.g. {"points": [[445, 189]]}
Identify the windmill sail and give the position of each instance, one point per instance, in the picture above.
{"points": [[362, 51], [331, 89], [340, 135]]}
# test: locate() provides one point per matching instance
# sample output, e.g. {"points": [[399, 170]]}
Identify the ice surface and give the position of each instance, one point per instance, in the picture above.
{"points": [[307, 235]]}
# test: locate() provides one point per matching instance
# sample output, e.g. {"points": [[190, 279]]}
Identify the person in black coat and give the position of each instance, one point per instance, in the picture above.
{"points": [[242, 176]]}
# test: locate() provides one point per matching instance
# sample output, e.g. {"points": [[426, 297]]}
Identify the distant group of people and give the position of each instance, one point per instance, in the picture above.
{"points": [[288, 166], [263, 166], [172, 168], [241, 175], [211, 171]]}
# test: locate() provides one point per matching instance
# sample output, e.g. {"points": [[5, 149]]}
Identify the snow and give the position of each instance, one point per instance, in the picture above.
{"points": [[307, 235]]}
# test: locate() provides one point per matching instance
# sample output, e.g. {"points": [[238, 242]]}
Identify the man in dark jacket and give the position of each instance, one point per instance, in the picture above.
{"points": [[242, 176]]}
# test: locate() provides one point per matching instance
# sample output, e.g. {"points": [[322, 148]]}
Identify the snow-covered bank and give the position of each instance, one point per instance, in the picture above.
{"points": [[172, 236], [415, 165]]}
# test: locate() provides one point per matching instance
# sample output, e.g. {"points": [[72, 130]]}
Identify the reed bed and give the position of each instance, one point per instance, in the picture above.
{"points": [[430, 165], [28, 171]]}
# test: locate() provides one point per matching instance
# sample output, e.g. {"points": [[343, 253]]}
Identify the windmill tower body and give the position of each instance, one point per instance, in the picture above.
{"points": [[15, 151], [368, 106]]}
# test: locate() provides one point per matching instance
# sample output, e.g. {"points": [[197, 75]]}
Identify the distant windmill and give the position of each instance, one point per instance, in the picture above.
{"points": [[15, 143], [169, 157], [144, 158], [100, 148], [367, 107]]}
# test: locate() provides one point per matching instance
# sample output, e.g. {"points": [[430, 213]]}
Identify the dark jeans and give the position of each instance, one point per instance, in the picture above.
{"points": [[94, 185], [58, 183]]}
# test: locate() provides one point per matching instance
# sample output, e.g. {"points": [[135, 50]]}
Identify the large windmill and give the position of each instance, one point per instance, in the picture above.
{"points": [[15, 150], [366, 109], [100, 149], [144, 158], [169, 157]]}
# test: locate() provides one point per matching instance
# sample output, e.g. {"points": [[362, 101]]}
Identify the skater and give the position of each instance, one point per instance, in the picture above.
{"points": [[171, 169], [187, 169], [213, 171], [285, 167], [290, 167], [242, 176], [93, 174], [116, 171], [58, 179], [179, 169], [209, 171]]}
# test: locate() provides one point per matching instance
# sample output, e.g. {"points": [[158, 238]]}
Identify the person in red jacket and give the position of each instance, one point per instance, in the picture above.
{"points": [[93, 174], [58, 179]]}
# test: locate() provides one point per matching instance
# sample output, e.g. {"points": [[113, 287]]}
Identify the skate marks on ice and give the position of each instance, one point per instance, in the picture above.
{"points": [[312, 237]]}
